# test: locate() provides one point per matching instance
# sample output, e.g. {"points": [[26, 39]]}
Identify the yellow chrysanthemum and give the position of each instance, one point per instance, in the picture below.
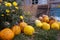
{"points": [[21, 17], [8, 4], [15, 3], [16, 7], [2, 15], [7, 10]]}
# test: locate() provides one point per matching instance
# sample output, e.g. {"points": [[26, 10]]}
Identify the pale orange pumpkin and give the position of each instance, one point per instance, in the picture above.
{"points": [[41, 19], [16, 29], [6, 34], [44, 16]]}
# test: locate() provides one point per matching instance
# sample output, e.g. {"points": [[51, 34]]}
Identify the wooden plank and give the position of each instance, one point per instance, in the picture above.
{"points": [[54, 1]]}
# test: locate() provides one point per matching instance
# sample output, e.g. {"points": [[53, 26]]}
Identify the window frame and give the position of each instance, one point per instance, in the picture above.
{"points": [[34, 1]]}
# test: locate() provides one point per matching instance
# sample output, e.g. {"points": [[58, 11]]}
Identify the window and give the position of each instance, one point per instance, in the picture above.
{"points": [[34, 1], [43, 2]]}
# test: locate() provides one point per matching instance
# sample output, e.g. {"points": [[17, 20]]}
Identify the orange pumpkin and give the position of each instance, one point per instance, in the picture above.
{"points": [[51, 20], [45, 18], [4, 39], [1, 0], [0, 37], [16, 29], [22, 25], [6, 34]]}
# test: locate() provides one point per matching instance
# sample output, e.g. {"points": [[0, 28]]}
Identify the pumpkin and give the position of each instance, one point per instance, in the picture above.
{"points": [[45, 26], [44, 16], [1, 1], [45, 19], [29, 30], [41, 19], [6, 34], [22, 25], [59, 24], [38, 23], [51, 20], [55, 26], [4, 39], [16, 29]]}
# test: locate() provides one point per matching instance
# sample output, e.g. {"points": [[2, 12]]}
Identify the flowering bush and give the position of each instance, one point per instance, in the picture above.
{"points": [[10, 13]]}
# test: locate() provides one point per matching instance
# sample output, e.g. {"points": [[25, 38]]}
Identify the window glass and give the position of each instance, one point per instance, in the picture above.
{"points": [[42, 2], [34, 1]]}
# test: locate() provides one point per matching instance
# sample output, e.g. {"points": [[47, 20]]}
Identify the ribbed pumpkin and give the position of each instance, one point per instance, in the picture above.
{"points": [[22, 25], [1, 0], [59, 24], [29, 30], [16, 29], [6, 34], [4, 39], [0, 37], [38, 23], [46, 19], [55, 26], [51, 20], [46, 26], [41, 19]]}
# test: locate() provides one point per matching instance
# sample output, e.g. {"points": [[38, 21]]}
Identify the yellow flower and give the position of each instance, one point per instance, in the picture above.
{"points": [[21, 17], [15, 3], [8, 4], [16, 7], [7, 10], [2, 15]]}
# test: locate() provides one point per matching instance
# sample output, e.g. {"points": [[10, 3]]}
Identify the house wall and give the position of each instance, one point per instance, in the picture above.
{"points": [[30, 8], [55, 3]]}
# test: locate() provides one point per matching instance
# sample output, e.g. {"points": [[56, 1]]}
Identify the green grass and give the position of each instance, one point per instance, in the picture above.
{"points": [[39, 35]]}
